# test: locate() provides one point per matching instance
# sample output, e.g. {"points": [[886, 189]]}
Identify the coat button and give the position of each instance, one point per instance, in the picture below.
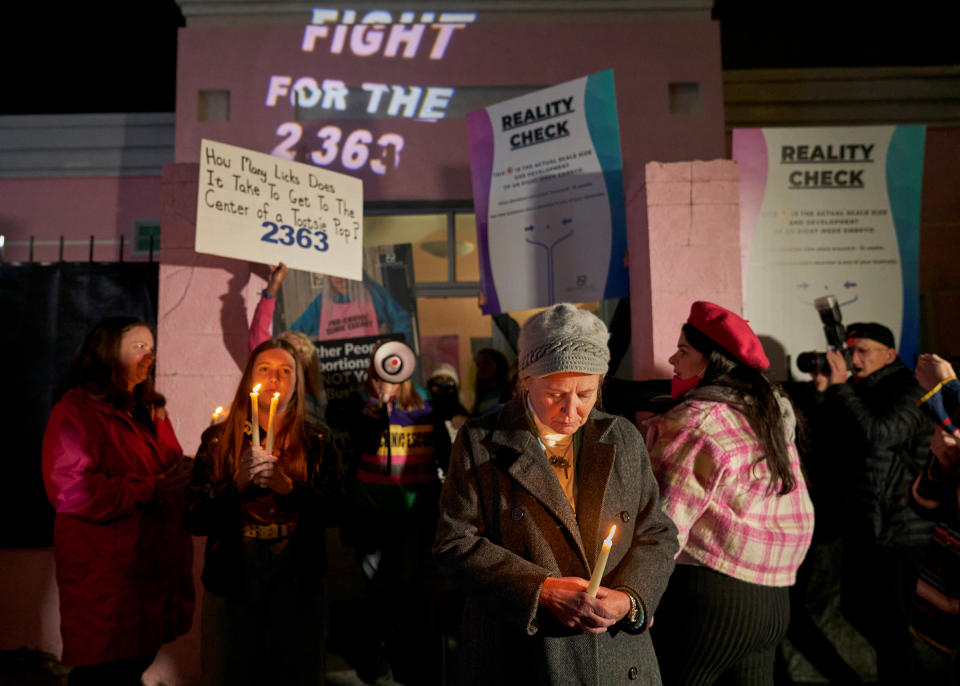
{"points": [[516, 514], [625, 516], [633, 673]]}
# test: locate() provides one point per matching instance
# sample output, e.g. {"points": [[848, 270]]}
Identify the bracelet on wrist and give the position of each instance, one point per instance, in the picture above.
{"points": [[636, 618]]}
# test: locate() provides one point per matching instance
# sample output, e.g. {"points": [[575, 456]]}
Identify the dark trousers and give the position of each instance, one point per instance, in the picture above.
{"points": [[273, 633], [711, 628], [119, 673], [399, 624], [877, 595], [819, 574]]}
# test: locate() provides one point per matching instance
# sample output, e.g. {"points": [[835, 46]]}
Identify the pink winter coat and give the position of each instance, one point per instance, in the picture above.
{"points": [[123, 559]]}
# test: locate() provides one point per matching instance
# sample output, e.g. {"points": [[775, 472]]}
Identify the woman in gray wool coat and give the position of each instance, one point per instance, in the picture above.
{"points": [[530, 495]]}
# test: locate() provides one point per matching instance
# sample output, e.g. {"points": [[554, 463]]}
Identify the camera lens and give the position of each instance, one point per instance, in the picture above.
{"points": [[812, 362]]}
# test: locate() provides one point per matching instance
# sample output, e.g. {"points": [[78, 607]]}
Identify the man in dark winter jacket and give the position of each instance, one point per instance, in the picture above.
{"points": [[879, 439]]}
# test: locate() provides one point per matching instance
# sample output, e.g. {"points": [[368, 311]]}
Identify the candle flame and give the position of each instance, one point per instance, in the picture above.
{"points": [[216, 412], [256, 389], [609, 540], [276, 395]]}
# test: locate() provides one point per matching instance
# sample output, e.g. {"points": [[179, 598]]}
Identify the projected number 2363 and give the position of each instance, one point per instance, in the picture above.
{"points": [[354, 151]]}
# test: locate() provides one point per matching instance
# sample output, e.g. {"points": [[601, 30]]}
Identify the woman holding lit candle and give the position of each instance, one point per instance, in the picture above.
{"points": [[531, 492], [730, 479], [263, 510], [115, 474]]}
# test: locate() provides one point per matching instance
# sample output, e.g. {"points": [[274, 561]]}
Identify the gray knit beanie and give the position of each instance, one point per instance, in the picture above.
{"points": [[563, 339]]}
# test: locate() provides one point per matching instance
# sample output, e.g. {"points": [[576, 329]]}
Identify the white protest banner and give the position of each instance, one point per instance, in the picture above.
{"points": [[256, 207], [548, 193], [831, 211]]}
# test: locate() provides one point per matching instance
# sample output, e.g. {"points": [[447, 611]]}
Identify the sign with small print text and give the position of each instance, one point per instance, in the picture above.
{"points": [[548, 192], [256, 207], [830, 211]]}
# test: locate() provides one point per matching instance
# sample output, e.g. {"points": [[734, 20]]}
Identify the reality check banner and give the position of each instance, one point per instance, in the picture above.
{"points": [[548, 193], [831, 211]]}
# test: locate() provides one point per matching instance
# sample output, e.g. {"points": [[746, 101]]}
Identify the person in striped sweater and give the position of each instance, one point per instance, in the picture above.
{"points": [[399, 449]]}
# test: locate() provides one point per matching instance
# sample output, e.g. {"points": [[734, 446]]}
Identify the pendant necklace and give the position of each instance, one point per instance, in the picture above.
{"points": [[562, 460]]}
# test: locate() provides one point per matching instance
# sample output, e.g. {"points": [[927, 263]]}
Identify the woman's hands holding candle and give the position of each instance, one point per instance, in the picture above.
{"points": [[567, 599], [272, 477], [253, 462]]}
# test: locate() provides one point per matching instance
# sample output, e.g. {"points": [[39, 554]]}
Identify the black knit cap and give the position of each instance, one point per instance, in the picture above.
{"points": [[873, 331]]}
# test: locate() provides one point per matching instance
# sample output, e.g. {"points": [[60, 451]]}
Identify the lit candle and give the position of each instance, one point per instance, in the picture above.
{"points": [[215, 416], [255, 415], [601, 563], [273, 411]]}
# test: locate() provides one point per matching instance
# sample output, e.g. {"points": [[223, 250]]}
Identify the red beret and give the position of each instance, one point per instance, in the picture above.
{"points": [[729, 331]]}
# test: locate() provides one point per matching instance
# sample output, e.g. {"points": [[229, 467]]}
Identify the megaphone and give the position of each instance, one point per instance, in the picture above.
{"points": [[394, 362]]}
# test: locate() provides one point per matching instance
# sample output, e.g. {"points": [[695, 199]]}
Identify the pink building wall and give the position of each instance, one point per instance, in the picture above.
{"points": [[691, 249], [76, 208]]}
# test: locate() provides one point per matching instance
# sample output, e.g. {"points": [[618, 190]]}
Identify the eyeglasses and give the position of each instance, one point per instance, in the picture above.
{"points": [[867, 351]]}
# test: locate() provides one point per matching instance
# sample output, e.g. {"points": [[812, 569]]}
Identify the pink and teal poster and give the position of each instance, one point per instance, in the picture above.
{"points": [[548, 195], [830, 211]]}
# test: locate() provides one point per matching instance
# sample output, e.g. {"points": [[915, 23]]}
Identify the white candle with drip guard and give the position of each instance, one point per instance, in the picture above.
{"points": [[601, 563], [273, 412], [255, 416]]}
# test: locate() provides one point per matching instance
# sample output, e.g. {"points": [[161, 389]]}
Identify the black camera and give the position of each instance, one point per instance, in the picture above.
{"points": [[836, 333]]}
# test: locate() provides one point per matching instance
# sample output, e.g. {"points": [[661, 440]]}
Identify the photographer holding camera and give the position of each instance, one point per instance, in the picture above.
{"points": [[878, 440]]}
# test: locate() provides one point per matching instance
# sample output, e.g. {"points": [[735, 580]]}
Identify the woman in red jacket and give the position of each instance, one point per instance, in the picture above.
{"points": [[114, 473]]}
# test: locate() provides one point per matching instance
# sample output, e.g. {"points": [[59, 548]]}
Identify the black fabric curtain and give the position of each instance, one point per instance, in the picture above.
{"points": [[47, 309]]}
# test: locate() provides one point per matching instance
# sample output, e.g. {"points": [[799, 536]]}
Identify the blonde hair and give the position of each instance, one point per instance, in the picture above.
{"points": [[307, 352]]}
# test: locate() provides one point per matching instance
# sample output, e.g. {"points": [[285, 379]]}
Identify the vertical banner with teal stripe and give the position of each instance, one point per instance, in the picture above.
{"points": [[548, 194], [831, 211]]}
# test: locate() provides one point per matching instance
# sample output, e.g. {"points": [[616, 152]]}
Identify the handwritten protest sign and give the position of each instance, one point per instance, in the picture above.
{"points": [[256, 207]]}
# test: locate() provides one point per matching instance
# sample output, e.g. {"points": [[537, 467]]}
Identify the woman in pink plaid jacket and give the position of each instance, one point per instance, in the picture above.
{"points": [[730, 479]]}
